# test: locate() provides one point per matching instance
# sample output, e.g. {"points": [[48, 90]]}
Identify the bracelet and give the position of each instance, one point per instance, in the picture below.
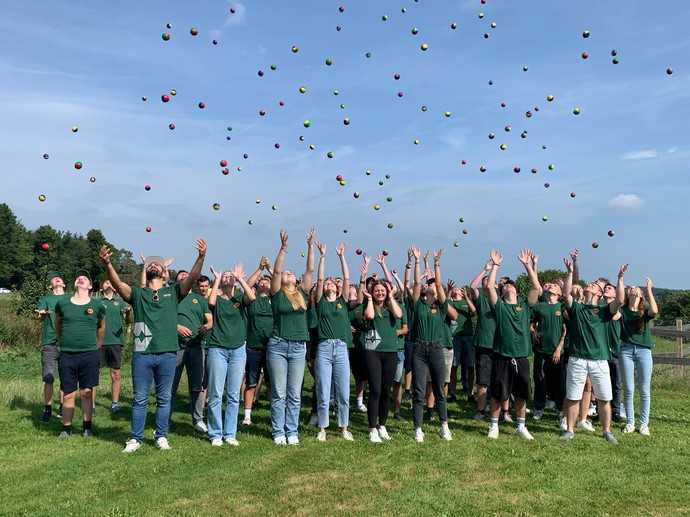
{"points": [[362, 282]]}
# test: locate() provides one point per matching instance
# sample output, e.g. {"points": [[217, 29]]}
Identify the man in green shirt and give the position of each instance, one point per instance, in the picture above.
{"points": [[194, 322], [111, 352], [462, 332], [49, 349], [155, 339]]}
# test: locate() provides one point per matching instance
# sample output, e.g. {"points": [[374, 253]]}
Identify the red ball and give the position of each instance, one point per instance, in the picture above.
{"points": [[171, 126], [223, 163], [147, 187], [225, 171], [503, 105], [585, 55], [339, 177], [358, 251], [45, 246], [281, 103], [516, 170], [276, 145], [341, 8], [400, 94], [148, 229], [463, 162], [165, 98], [572, 194], [78, 165], [384, 253], [669, 71], [396, 76]]}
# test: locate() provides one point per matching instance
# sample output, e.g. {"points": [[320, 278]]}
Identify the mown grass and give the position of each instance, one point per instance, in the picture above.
{"points": [[471, 475]]}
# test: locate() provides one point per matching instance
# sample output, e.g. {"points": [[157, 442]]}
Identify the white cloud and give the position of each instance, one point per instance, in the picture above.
{"points": [[643, 154], [626, 201], [456, 140], [239, 16], [672, 150]]}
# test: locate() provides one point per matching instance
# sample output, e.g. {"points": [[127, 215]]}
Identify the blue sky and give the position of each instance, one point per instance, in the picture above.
{"points": [[625, 156]]}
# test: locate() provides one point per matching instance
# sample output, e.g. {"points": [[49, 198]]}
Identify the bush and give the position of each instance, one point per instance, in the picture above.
{"points": [[19, 333]]}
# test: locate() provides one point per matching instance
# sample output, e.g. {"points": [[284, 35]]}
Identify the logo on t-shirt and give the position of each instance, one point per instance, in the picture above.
{"points": [[518, 309], [142, 336], [236, 305], [194, 300], [89, 311], [338, 306], [557, 313]]}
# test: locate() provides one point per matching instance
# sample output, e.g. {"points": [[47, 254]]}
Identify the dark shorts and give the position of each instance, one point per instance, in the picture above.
{"points": [[111, 357], [49, 363], [358, 364], [509, 376], [256, 361], [409, 351], [463, 351], [78, 370], [483, 365]]}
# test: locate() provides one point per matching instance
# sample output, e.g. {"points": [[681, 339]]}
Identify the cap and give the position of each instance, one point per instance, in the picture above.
{"points": [[155, 259], [53, 274], [82, 272]]}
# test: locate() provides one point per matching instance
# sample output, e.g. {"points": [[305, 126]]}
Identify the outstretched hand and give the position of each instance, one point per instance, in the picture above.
{"points": [[322, 248], [437, 256], [340, 249], [283, 240], [648, 283], [496, 257], [568, 265], [200, 245], [623, 269], [311, 235], [105, 254], [574, 254], [238, 271], [525, 256]]}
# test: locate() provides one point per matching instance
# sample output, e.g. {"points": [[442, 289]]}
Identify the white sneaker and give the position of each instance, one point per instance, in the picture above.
{"points": [[585, 425], [538, 413], [162, 444], [293, 440], [644, 430], [131, 445], [523, 433], [564, 424], [279, 440], [383, 433], [622, 413], [550, 404], [445, 433], [419, 435], [247, 420], [507, 418], [493, 432], [232, 441], [374, 436], [321, 436], [629, 428], [347, 435], [217, 442], [361, 407], [314, 421], [592, 410], [201, 427]]}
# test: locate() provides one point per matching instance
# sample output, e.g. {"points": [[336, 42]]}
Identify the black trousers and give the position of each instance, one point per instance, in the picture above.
{"points": [[614, 371], [547, 381], [381, 370], [428, 356]]}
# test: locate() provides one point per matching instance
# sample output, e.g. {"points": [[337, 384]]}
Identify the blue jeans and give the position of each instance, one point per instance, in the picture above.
{"points": [[632, 360], [285, 360], [332, 364], [147, 368], [225, 372]]}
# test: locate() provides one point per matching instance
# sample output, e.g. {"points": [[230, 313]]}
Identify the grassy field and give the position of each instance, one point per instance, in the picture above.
{"points": [[471, 475]]}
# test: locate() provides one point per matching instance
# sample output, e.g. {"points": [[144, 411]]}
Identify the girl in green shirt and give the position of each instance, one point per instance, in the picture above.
{"points": [[636, 353]]}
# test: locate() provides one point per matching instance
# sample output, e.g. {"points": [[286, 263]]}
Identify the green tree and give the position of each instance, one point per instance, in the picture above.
{"points": [[548, 275], [15, 251], [675, 305]]}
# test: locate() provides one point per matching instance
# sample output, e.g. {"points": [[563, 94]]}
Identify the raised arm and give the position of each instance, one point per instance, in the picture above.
{"points": [[394, 307], [408, 270], [574, 255], [653, 309], [340, 251], [321, 275], [477, 280], [568, 285], [215, 288], [361, 288], [525, 257], [369, 313], [470, 303], [308, 277], [440, 292], [254, 277], [238, 273], [142, 275], [417, 286], [381, 259], [190, 280], [620, 290], [280, 261], [122, 288], [496, 260]]}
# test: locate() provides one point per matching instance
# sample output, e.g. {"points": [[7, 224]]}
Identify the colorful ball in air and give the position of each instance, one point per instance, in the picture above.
{"points": [[312, 147], [595, 245], [358, 251], [492, 136], [552, 167], [461, 219], [46, 156], [453, 25], [414, 31], [168, 25], [45, 246], [194, 31], [339, 178], [41, 198], [301, 138], [201, 105], [491, 83], [385, 252], [456, 244], [482, 168], [507, 129], [149, 229], [226, 171], [78, 165], [614, 53], [387, 176], [75, 129], [276, 145], [576, 111], [465, 231], [294, 49], [342, 106], [329, 61], [302, 89], [330, 154], [447, 114], [480, 15], [585, 55], [281, 103], [528, 114], [367, 55], [417, 141], [516, 170], [274, 67], [503, 105], [336, 92], [306, 123], [384, 18], [534, 171], [356, 195], [424, 47], [400, 94], [396, 76], [585, 34], [216, 206], [524, 68], [615, 61], [547, 185], [377, 207], [165, 36], [215, 42], [669, 71], [611, 233], [425, 109], [523, 134], [503, 147], [92, 179], [367, 172], [573, 194], [486, 35], [389, 199], [144, 99], [147, 187], [549, 98], [493, 25], [544, 218], [250, 222], [260, 73], [390, 226], [245, 156], [380, 183], [346, 121], [274, 207]]}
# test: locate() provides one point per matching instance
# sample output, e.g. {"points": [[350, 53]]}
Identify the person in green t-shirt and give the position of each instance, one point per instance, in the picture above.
{"points": [[613, 336], [332, 364], [259, 329], [50, 350], [588, 350], [286, 350], [194, 324], [512, 343], [80, 327], [636, 353], [227, 355], [430, 333], [402, 329], [116, 311], [155, 339], [462, 332]]}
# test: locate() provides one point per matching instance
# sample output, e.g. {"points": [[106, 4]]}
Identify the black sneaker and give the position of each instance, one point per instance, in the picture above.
{"points": [[45, 417], [429, 414]]}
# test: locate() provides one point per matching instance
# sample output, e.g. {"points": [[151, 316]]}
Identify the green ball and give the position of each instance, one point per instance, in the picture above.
{"points": [[552, 167], [329, 61], [274, 67], [390, 226], [307, 123], [447, 114], [330, 154], [384, 18], [336, 92], [576, 111], [389, 199], [165, 36]]}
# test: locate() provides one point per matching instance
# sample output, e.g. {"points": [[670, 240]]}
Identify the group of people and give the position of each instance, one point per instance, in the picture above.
{"points": [[398, 338]]}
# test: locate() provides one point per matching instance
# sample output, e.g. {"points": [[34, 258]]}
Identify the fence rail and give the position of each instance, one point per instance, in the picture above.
{"points": [[679, 333]]}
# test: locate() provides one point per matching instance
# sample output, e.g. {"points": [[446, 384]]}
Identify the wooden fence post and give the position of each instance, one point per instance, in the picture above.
{"points": [[679, 346]]}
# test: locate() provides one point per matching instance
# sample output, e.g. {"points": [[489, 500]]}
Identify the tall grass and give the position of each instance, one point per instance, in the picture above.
{"points": [[19, 334]]}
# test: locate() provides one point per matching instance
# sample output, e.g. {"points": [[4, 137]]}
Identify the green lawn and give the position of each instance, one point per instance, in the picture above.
{"points": [[471, 475]]}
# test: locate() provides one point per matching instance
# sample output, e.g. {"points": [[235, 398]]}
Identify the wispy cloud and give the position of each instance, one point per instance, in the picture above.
{"points": [[456, 140], [643, 154], [672, 150], [626, 201]]}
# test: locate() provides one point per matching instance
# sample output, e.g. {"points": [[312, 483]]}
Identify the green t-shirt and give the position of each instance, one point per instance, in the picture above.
{"points": [[48, 303], [588, 338], [486, 322], [613, 336], [259, 322], [229, 322], [191, 313], [114, 329], [333, 320], [379, 334], [79, 324], [289, 324], [155, 319], [463, 325], [512, 337], [635, 330], [429, 322], [399, 325], [409, 312], [549, 320]]}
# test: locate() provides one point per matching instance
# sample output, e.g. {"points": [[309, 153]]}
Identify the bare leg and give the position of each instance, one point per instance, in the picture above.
{"points": [[521, 408], [586, 399], [47, 393], [68, 408], [605, 415], [570, 408], [481, 398], [115, 381], [86, 395], [495, 408]]}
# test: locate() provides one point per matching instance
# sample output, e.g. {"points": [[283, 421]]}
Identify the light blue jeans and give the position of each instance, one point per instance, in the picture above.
{"points": [[332, 365], [285, 360], [225, 368], [148, 368], [634, 360]]}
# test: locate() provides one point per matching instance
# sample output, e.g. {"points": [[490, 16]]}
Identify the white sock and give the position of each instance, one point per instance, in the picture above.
{"points": [[360, 400], [520, 424], [247, 414], [494, 422]]}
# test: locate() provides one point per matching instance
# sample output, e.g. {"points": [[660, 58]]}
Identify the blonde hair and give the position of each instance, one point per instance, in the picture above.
{"points": [[295, 298]]}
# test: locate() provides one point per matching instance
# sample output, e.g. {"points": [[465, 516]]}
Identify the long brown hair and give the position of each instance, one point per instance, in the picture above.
{"points": [[640, 310]]}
